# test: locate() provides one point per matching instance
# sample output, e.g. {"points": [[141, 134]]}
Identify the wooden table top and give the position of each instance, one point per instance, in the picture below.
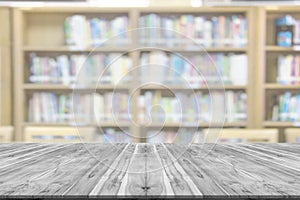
{"points": [[150, 170]]}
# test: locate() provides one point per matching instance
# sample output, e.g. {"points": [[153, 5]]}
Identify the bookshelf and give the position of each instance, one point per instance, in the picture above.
{"points": [[36, 25], [188, 50], [5, 67], [272, 82]]}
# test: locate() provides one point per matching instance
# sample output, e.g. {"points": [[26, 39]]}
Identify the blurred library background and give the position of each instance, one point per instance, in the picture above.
{"points": [[149, 71]]}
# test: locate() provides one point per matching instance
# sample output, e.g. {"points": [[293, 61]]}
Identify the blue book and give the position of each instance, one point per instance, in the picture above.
{"points": [[284, 21], [284, 30], [215, 30], [285, 106], [178, 66], [95, 31]]}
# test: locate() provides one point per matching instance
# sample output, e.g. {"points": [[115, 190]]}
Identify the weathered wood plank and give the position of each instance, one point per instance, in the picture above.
{"points": [[34, 167], [180, 182], [273, 152], [271, 180], [51, 178], [124, 182], [265, 159], [21, 152], [293, 149], [57, 182], [157, 181], [29, 158], [110, 175], [15, 177], [199, 171], [275, 158], [232, 180], [135, 179], [92, 177], [160, 171], [148, 170], [10, 147], [116, 173]]}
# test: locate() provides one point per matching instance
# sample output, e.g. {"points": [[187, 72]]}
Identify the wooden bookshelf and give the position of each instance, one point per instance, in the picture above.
{"points": [[33, 27], [248, 12], [118, 49], [66, 49], [171, 87], [207, 49], [273, 86], [273, 48], [195, 125], [102, 124], [39, 87], [5, 67], [277, 124], [267, 55]]}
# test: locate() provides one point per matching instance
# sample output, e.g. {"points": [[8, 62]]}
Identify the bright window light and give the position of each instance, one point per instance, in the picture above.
{"points": [[196, 3], [120, 3]]}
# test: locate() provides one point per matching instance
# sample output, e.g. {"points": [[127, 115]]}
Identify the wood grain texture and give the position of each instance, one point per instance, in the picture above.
{"points": [[5, 67], [150, 170]]}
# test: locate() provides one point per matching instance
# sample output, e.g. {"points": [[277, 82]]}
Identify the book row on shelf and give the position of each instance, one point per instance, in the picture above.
{"points": [[208, 31], [192, 108], [214, 68], [81, 32], [45, 107], [194, 70], [79, 69], [288, 69], [286, 107]]}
